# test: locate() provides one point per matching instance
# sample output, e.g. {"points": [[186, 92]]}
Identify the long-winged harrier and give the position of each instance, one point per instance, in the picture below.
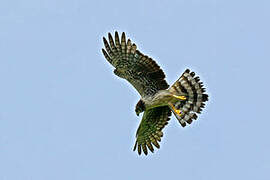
{"points": [[184, 98]]}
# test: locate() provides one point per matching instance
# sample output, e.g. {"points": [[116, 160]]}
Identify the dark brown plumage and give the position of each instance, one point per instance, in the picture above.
{"points": [[156, 102]]}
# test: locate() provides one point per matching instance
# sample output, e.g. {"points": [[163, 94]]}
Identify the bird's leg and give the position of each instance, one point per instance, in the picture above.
{"points": [[177, 111], [180, 97]]}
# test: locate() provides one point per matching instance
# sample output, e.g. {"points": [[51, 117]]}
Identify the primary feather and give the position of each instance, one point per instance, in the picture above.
{"points": [[148, 79]]}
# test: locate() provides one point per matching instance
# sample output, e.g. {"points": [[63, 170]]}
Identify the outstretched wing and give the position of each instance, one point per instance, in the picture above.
{"points": [[141, 71], [150, 129]]}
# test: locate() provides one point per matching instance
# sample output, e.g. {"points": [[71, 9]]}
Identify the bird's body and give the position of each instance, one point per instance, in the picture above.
{"points": [[184, 98], [160, 98]]}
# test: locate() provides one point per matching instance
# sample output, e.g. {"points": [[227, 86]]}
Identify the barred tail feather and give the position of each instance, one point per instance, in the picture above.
{"points": [[190, 85]]}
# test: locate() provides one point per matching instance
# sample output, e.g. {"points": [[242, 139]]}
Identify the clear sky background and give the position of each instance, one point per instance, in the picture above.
{"points": [[64, 115]]}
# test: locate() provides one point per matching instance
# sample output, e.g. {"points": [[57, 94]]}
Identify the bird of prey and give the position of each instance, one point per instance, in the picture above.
{"points": [[184, 98]]}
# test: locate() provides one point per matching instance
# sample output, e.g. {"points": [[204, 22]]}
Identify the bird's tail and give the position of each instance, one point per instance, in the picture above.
{"points": [[190, 85]]}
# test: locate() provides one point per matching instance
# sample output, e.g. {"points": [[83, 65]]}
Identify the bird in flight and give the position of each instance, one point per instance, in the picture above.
{"points": [[185, 98]]}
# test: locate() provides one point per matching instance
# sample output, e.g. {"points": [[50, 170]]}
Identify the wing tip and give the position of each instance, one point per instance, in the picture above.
{"points": [[110, 36], [135, 146], [116, 34]]}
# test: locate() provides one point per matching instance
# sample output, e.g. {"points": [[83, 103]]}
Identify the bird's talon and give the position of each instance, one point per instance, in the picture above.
{"points": [[178, 112], [180, 97]]}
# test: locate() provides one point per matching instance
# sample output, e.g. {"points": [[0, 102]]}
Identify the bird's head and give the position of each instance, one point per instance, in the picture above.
{"points": [[140, 107]]}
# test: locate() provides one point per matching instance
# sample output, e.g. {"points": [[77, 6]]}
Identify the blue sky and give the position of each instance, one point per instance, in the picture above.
{"points": [[64, 115]]}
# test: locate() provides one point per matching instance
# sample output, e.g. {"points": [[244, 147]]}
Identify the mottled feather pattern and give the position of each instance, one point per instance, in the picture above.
{"points": [[147, 78], [149, 132], [140, 70], [196, 97]]}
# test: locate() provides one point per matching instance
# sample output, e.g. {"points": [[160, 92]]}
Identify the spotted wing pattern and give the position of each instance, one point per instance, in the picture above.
{"points": [[141, 71], [150, 132]]}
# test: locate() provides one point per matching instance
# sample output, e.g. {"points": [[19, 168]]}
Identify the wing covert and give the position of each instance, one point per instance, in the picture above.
{"points": [[141, 71], [150, 132]]}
